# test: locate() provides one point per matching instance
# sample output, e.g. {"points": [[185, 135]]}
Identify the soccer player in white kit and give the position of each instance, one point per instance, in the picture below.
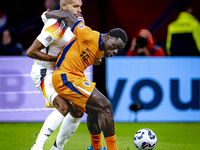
{"points": [[45, 49]]}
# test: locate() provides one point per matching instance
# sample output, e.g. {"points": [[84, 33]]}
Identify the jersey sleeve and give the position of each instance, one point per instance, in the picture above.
{"points": [[44, 18], [83, 32], [52, 30]]}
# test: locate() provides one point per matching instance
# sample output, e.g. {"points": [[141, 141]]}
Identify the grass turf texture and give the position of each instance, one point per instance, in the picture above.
{"points": [[171, 136]]}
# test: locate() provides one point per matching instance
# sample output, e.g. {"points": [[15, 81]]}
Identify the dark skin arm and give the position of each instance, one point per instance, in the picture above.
{"points": [[34, 52], [66, 15]]}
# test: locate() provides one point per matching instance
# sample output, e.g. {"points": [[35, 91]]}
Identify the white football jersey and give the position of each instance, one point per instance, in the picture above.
{"points": [[55, 35]]}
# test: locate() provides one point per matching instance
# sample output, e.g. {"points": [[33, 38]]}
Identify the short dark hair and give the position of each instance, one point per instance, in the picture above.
{"points": [[119, 33]]}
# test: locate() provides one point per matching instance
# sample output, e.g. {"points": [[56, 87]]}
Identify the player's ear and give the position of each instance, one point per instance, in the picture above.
{"points": [[108, 37], [64, 6]]}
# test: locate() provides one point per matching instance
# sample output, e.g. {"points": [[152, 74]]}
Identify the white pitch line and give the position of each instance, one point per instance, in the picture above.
{"points": [[26, 109]]}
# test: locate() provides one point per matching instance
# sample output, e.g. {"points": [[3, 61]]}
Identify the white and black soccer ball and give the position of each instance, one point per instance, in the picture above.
{"points": [[145, 139]]}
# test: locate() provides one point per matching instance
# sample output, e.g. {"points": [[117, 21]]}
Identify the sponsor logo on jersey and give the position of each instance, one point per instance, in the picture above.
{"points": [[86, 84], [49, 39], [81, 26]]}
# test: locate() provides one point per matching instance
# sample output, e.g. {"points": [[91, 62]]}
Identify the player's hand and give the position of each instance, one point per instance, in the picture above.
{"points": [[97, 61], [58, 14], [65, 15], [143, 51]]}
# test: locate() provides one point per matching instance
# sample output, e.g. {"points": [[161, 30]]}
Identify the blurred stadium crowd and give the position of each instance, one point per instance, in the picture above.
{"points": [[22, 19]]}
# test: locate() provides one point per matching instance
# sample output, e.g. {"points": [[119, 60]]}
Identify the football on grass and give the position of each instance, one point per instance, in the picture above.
{"points": [[145, 139]]}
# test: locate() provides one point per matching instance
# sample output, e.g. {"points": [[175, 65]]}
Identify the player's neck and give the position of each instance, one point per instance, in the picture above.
{"points": [[102, 45]]}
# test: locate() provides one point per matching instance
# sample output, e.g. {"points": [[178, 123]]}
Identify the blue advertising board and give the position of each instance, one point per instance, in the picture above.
{"points": [[167, 87]]}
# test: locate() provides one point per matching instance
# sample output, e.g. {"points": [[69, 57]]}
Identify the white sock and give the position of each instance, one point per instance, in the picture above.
{"points": [[50, 125], [55, 148], [67, 129]]}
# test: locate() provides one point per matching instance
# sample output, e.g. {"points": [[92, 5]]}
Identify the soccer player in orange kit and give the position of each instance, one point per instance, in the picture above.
{"points": [[70, 82]]}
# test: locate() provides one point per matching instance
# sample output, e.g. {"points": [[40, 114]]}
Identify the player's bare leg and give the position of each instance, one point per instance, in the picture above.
{"points": [[100, 106], [95, 132], [63, 106]]}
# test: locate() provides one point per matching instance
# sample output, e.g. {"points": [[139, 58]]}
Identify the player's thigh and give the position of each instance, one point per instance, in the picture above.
{"points": [[62, 105], [65, 106], [97, 102], [76, 111]]}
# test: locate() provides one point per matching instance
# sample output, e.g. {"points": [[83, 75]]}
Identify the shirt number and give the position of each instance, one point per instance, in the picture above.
{"points": [[84, 55]]}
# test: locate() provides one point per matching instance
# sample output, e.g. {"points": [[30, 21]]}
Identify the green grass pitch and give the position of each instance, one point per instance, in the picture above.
{"points": [[171, 136]]}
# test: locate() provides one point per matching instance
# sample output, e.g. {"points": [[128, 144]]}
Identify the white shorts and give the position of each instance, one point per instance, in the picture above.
{"points": [[42, 78]]}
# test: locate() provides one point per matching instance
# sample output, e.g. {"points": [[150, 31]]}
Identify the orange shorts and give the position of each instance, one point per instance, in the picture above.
{"points": [[74, 88]]}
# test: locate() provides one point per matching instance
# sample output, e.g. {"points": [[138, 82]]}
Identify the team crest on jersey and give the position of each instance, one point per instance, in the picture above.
{"points": [[86, 84], [49, 38], [81, 26]]}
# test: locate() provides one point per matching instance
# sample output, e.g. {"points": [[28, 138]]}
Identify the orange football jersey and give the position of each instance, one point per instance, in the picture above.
{"points": [[82, 50]]}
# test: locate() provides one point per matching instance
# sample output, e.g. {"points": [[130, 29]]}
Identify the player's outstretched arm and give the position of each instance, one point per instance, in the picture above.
{"points": [[34, 52], [65, 15]]}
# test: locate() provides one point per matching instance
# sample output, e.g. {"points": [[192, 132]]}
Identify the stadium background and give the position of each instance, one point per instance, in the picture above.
{"points": [[20, 101]]}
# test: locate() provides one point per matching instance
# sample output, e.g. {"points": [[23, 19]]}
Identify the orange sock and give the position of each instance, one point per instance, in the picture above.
{"points": [[111, 143], [96, 141]]}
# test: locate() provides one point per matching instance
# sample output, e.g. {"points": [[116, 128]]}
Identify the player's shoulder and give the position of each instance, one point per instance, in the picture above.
{"points": [[47, 21], [51, 22], [44, 18]]}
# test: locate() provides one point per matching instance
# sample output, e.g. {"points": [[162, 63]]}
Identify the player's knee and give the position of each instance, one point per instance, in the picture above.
{"points": [[61, 105], [64, 109], [76, 112], [106, 107]]}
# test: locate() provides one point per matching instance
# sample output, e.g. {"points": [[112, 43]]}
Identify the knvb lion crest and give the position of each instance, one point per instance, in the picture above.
{"points": [[81, 26]]}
